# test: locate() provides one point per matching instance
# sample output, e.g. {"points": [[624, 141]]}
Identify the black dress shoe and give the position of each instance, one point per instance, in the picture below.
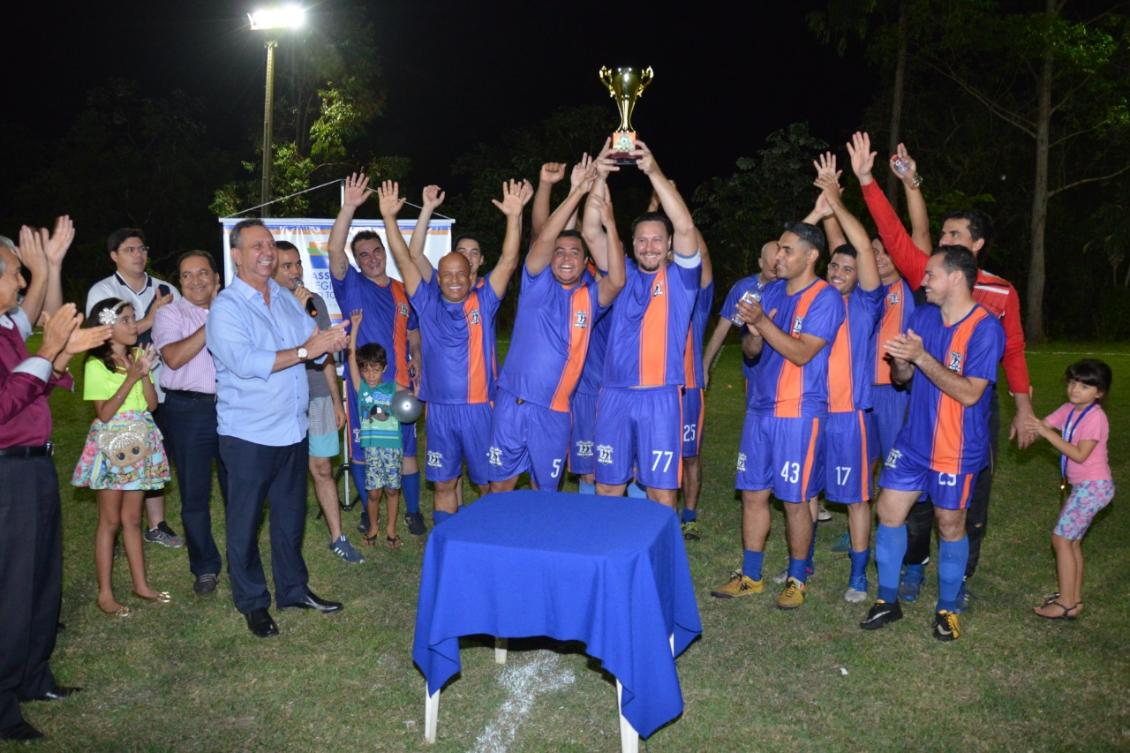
{"points": [[20, 731], [260, 624], [311, 601], [56, 693]]}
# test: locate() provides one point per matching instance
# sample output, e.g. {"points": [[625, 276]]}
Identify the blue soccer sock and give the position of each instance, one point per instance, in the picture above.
{"points": [[952, 558], [439, 516], [890, 548], [584, 487], [751, 564], [357, 471], [410, 488], [859, 562], [636, 490], [798, 569], [689, 515]]}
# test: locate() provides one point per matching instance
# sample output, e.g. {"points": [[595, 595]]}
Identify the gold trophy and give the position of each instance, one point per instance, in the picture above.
{"points": [[625, 85]]}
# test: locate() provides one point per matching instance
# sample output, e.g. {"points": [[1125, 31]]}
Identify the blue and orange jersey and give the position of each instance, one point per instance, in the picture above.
{"points": [[551, 339], [850, 365], [593, 373], [457, 340], [730, 307], [649, 326], [692, 354], [780, 387], [898, 305], [939, 430], [388, 317]]}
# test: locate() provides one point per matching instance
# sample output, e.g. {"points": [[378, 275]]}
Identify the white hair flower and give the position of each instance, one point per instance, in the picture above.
{"points": [[108, 316]]}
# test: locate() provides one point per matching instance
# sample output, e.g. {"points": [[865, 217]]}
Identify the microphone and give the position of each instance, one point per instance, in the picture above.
{"points": [[311, 309]]}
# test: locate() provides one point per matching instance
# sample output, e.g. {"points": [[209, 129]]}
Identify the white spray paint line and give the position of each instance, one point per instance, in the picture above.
{"points": [[525, 683]]}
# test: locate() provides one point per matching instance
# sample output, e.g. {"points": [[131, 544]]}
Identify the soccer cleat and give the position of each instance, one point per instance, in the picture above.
{"points": [[793, 595], [945, 626], [691, 531], [911, 584], [415, 523], [881, 614], [782, 577], [739, 585], [823, 516], [857, 590]]}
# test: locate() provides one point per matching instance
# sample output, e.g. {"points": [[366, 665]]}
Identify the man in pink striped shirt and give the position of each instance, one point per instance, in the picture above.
{"points": [[188, 415]]}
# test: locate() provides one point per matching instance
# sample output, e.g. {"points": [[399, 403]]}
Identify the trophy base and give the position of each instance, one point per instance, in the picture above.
{"points": [[623, 143]]}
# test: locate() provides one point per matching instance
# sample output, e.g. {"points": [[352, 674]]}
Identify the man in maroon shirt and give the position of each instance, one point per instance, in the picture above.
{"points": [[31, 555], [970, 229]]}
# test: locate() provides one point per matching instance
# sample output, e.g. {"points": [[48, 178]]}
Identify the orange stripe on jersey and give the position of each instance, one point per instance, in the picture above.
{"points": [[653, 334], [949, 440], [476, 361], [966, 488], [889, 329], [790, 382], [864, 466], [809, 457], [400, 331], [688, 358], [841, 391], [580, 326]]}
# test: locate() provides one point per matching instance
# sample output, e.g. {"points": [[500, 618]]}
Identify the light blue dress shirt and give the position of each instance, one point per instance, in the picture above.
{"points": [[244, 334]]}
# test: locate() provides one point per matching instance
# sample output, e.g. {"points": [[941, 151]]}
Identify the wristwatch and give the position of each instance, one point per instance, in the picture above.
{"points": [[302, 353]]}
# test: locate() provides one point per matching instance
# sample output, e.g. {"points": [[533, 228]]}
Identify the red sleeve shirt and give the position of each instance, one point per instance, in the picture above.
{"points": [[25, 417]]}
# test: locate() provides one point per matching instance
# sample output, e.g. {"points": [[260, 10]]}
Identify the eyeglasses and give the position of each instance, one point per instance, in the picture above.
{"points": [[135, 249]]}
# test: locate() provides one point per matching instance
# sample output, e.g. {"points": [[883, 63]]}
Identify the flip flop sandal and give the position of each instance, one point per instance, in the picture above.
{"points": [[1065, 611], [394, 542], [1051, 598]]}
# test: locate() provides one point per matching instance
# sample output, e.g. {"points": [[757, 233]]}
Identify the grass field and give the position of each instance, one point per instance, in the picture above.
{"points": [[188, 676]]}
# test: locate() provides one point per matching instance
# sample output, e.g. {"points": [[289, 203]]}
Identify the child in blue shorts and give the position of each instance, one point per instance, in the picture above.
{"points": [[380, 433]]}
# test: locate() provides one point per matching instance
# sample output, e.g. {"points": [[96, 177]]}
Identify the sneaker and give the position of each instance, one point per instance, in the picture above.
{"points": [[857, 591], [739, 585], [945, 626], [205, 584], [911, 584], [164, 536], [781, 577], [843, 544], [415, 523], [793, 595], [691, 531], [823, 516], [881, 614], [363, 524], [342, 548]]}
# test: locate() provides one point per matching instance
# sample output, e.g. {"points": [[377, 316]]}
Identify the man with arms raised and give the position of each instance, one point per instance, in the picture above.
{"points": [[390, 322], [457, 340], [790, 332], [260, 338], [557, 310], [950, 353]]}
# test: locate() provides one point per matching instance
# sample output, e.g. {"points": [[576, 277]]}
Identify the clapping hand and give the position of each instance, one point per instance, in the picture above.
{"points": [[59, 241], [906, 346], [57, 330]]}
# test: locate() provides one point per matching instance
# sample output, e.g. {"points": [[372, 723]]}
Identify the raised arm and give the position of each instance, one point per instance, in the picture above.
{"points": [[915, 202], [390, 201], [686, 238], [611, 283], [541, 250], [592, 227], [34, 259], [551, 174], [432, 198], [825, 165], [356, 191], [865, 264], [355, 318], [515, 196], [56, 251]]}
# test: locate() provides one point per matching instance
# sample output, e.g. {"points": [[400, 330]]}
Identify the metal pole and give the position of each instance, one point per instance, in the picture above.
{"points": [[265, 188]]}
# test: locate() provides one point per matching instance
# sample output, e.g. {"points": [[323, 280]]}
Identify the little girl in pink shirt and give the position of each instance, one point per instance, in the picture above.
{"points": [[1079, 429]]}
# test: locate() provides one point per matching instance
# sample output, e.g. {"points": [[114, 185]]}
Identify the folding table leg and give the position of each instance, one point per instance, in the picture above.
{"points": [[500, 646], [629, 738], [431, 714]]}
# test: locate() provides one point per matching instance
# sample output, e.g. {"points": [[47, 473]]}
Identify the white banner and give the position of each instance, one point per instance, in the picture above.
{"points": [[312, 236]]}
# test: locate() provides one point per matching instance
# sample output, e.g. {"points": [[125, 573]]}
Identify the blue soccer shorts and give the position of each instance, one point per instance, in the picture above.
{"points": [[458, 434], [527, 437], [847, 458], [888, 414], [583, 434], [906, 470], [694, 412], [785, 455], [639, 429]]}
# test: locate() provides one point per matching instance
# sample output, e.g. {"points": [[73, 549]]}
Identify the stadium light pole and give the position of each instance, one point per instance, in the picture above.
{"points": [[271, 20]]}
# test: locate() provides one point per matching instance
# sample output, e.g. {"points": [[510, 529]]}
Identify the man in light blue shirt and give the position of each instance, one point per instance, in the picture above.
{"points": [[260, 339]]}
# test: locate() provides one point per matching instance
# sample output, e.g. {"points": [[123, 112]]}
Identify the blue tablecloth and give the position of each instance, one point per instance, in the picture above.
{"points": [[611, 572]]}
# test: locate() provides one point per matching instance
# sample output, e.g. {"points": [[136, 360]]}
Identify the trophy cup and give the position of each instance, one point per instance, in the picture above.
{"points": [[625, 85]]}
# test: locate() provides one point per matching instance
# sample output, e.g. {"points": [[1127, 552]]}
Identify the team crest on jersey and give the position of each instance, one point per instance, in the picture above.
{"points": [[584, 449], [893, 458], [494, 455], [604, 454], [435, 459], [657, 290], [954, 362], [798, 325], [474, 318], [893, 298], [582, 320], [741, 462], [402, 309]]}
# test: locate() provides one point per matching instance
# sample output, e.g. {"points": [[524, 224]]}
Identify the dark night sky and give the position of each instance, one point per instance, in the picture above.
{"points": [[462, 72]]}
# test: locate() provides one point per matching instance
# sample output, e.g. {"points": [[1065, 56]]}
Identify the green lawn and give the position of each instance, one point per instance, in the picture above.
{"points": [[188, 676]]}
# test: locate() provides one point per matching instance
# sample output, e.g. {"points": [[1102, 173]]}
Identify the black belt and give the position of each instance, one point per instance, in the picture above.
{"points": [[35, 451], [190, 395]]}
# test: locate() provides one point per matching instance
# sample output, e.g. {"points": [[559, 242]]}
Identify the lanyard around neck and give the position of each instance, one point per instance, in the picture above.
{"points": [[1069, 430]]}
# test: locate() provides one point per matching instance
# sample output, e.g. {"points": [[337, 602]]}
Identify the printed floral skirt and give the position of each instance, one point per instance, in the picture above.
{"points": [[125, 453]]}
